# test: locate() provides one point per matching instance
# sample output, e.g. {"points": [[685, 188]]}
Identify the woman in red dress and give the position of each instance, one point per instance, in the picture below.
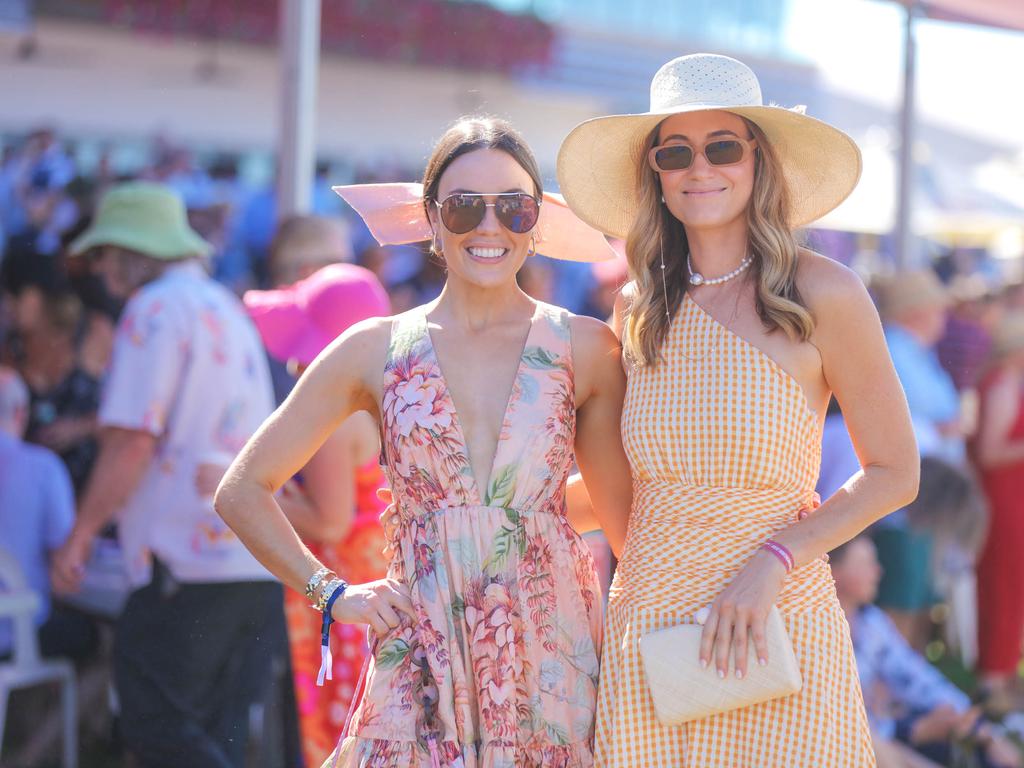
{"points": [[998, 452]]}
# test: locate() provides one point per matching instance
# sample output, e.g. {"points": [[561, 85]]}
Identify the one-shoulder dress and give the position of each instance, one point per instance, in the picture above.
{"points": [[724, 453]]}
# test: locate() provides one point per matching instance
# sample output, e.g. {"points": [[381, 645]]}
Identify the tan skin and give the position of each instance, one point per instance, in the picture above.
{"points": [[481, 315], [846, 357], [321, 508]]}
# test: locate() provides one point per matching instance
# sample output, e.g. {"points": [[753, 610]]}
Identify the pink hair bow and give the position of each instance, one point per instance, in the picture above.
{"points": [[394, 214]]}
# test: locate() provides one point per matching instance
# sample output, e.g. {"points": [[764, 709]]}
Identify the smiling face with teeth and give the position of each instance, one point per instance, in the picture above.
{"points": [[491, 254], [706, 196]]}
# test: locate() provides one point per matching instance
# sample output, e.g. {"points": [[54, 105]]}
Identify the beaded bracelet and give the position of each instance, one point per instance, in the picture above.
{"points": [[336, 589], [326, 591], [314, 582], [781, 552]]}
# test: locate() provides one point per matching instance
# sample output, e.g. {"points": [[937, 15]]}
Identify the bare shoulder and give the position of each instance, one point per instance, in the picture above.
{"points": [[591, 338], [368, 337], [597, 357], [831, 290], [355, 360]]}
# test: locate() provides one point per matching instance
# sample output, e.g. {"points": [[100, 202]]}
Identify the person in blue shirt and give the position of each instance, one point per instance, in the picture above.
{"points": [[908, 701], [37, 510], [914, 306]]}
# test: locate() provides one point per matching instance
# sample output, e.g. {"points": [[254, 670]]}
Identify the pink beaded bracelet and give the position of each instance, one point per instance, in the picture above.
{"points": [[782, 553]]}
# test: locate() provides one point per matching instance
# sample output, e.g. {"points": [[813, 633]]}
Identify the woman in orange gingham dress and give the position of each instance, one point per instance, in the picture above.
{"points": [[729, 375]]}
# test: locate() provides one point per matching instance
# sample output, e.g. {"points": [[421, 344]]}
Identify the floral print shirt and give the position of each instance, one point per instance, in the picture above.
{"points": [[188, 367]]}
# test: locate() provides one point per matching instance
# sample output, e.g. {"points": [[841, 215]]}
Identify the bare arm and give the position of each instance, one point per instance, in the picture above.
{"points": [[580, 507], [124, 457], [323, 506], [343, 380], [601, 385], [336, 385], [857, 367], [999, 413]]}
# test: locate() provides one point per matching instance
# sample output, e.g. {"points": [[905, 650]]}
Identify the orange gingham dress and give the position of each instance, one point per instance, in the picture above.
{"points": [[724, 452]]}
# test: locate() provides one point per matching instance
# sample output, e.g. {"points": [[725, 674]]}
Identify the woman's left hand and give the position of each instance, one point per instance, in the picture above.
{"points": [[741, 612]]}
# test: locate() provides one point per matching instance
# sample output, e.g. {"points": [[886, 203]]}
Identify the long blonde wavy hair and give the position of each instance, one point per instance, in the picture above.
{"points": [[772, 245]]}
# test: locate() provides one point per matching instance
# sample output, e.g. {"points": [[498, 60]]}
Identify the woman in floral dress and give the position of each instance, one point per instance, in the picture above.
{"points": [[488, 627]]}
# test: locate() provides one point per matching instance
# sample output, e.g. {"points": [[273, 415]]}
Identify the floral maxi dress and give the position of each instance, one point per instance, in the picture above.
{"points": [[501, 666]]}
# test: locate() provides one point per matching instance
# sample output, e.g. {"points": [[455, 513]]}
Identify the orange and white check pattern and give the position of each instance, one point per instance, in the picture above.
{"points": [[725, 453]]}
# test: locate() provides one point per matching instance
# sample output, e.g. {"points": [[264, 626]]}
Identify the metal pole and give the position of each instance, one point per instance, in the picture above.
{"points": [[300, 58], [905, 256]]}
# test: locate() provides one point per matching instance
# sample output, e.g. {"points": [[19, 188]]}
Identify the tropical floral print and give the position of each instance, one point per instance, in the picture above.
{"points": [[500, 669]]}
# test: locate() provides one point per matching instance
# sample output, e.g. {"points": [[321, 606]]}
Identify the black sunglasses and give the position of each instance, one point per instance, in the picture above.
{"points": [[463, 211]]}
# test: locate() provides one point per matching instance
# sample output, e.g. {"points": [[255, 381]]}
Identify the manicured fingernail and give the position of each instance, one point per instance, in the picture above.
{"points": [[739, 674], [721, 674], [763, 662], [703, 663]]}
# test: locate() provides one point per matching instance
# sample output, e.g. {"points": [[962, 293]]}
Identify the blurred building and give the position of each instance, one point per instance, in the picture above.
{"points": [[394, 73]]}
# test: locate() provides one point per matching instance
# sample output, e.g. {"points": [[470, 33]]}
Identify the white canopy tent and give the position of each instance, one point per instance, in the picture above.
{"points": [[1004, 14]]}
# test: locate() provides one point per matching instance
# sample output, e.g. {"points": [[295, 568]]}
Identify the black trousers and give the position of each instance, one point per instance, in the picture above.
{"points": [[189, 661]]}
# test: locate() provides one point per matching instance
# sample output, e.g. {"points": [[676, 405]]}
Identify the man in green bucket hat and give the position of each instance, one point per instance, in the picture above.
{"points": [[187, 387], [140, 228]]}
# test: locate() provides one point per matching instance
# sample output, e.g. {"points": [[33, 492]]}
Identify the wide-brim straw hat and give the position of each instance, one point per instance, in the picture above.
{"points": [[144, 217], [597, 163]]}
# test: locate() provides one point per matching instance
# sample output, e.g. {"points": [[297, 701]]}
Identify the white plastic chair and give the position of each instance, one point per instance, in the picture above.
{"points": [[25, 668]]}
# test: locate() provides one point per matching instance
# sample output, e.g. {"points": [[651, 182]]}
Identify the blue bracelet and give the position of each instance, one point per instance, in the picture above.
{"points": [[326, 662]]}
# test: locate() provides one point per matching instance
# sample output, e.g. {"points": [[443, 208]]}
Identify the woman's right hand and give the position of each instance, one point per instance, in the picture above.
{"points": [[377, 603]]}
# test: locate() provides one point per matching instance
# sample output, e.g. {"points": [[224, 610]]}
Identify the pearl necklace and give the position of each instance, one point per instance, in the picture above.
{"points": [[696, 278]]}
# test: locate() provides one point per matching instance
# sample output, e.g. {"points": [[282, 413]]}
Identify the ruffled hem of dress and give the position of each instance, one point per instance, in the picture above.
{"points": [[357, 752]]}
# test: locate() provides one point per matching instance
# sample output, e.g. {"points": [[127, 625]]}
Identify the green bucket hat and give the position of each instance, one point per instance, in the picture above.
{"points": [[145, 217]]}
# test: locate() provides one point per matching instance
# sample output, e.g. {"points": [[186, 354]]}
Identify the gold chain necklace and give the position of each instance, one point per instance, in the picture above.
{"points": [[713, 325]]}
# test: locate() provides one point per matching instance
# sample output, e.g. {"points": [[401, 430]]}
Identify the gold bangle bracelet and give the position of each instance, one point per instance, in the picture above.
{"points": [[314, 582]]}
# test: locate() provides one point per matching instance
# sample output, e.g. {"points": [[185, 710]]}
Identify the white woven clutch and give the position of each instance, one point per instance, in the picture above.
{"points": [[682, 691]]}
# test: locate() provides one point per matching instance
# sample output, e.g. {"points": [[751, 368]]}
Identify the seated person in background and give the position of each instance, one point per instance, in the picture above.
{"points": [[61, 350], [908, 701], [37, 510], [950, 509]]}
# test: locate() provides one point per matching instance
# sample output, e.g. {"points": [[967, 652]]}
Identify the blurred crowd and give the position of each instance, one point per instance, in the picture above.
{"points": [[933, 593]]}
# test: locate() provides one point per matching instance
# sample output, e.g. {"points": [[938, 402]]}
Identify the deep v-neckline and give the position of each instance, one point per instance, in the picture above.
{"points": [[482, 493]]}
